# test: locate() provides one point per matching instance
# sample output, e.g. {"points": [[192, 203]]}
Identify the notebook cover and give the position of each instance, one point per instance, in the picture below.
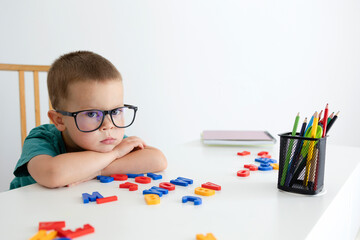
{"points": [[237, 137]]}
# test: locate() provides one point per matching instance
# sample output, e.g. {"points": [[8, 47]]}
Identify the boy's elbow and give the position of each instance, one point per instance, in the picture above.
{"points": [[49, 182], [52, 179], [162, 161], [52, 182], [45, 172]]}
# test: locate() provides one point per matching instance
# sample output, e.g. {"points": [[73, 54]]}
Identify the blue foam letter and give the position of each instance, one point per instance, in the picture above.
{"points": [[196, 200], [86, 197]]}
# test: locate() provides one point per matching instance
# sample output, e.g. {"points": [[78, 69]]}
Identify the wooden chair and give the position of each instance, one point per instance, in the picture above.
{"points": [[21, 69]]}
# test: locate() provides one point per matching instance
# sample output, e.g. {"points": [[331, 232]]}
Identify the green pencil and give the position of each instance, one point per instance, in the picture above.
{"points": [[286, 164], [329, 118]]}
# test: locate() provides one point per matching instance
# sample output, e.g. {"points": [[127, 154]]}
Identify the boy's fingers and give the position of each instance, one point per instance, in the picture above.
{"points": [[142, 144]]}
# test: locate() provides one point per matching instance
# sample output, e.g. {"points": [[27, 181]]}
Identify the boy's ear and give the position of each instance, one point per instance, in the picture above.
{"points": [[57, 119]]}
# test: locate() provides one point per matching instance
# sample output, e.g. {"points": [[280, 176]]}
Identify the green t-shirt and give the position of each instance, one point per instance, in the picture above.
{"points": [[44, 139]]}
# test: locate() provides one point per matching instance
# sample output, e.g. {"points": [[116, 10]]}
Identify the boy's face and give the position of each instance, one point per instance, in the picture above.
{"points": [[87, 95]]}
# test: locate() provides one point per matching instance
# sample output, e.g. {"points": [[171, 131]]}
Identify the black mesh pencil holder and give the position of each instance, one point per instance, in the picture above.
{"points": [[301, 164]]}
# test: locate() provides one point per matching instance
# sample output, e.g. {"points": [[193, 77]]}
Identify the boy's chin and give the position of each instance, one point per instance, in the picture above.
{"points": [[105, 149]]}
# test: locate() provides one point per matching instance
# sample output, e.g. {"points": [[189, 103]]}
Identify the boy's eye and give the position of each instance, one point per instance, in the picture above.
{"points": [[92, 114], [116, 111]]}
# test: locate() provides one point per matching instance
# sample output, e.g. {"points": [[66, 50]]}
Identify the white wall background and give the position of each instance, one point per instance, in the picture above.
{"points": [[195, 64]]}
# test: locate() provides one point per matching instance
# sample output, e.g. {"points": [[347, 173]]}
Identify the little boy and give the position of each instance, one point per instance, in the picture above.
{"points": [[87, 136]]}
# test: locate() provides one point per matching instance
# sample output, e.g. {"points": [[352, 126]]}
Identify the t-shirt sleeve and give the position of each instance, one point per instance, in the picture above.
{"points": [[39, 142]]}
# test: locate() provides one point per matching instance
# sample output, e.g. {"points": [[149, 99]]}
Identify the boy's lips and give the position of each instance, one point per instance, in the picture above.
{"points": [[108, 140]]}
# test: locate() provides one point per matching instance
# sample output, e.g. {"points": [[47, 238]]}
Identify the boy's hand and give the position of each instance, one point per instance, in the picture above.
{"points": [[127, 145]]}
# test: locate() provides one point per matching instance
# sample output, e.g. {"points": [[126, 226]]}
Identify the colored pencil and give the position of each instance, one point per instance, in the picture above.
{"points": [[314, 168], [329, 118], [303, 127], [296, 123], [311, 148], [320, 114], [326, 112], [310, 123], [332, 122], [296, 156], [286, 164]]}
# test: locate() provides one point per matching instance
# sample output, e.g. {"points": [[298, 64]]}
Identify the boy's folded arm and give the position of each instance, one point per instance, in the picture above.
{"points": [[145, 160], [67, 168]]}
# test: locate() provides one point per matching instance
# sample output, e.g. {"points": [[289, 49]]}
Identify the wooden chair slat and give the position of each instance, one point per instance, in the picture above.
{"points": [[21, 69], [17, 67], [37, 98], [22, 105]]}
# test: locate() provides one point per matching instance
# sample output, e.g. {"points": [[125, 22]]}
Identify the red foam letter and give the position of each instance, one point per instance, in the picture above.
{"points": [[119, 177], [129, 185], [77, 233], [142, 179], [106, 199], [167, 185], [51, 225], [212, 186], [243, 173]]}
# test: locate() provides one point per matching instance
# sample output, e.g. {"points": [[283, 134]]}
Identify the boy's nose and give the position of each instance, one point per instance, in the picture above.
{"points": [[107, 124]]}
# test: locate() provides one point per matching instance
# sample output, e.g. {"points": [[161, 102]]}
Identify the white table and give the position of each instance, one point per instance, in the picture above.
{"points": [[245, 208]]}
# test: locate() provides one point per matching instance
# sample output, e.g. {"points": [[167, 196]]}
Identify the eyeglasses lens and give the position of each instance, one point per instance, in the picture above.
{"points": [[91, 120], [122, 117]]}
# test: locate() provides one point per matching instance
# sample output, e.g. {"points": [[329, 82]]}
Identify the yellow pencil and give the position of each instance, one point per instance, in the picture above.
{"points": [[311, 148], [315, 124]]}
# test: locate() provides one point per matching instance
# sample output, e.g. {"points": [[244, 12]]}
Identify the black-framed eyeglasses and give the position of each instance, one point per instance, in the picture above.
{"points": [[91, 120]]}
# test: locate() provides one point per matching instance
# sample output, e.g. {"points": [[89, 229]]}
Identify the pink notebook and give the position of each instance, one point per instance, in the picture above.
{"points": [[237, 137]]}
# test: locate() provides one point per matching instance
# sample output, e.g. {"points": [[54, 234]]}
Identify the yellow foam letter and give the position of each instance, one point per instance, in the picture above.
{"points": [[152, 199], [204, 191], [208, 236]]}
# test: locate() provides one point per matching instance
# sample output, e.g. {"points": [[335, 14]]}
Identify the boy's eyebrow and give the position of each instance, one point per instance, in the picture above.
{"points": [[97, 108]]}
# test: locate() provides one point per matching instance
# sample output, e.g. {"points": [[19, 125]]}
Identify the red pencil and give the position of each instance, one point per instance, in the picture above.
{"points": [[326, 112], [320, 116]]}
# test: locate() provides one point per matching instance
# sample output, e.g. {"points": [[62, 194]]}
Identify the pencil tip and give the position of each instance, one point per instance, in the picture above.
{"points": [[337, 113]]}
